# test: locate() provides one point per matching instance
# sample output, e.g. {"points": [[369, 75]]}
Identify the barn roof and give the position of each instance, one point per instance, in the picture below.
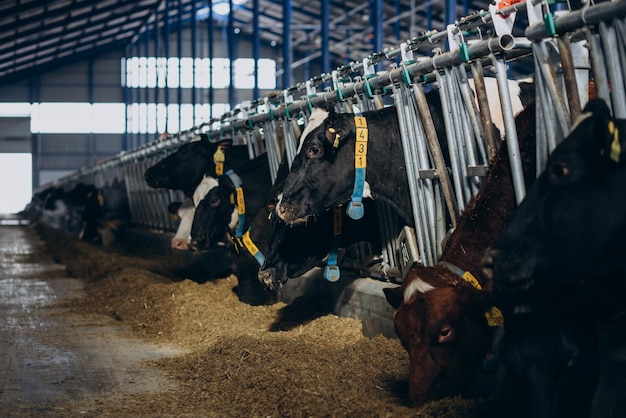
{"points": [[39, 35]]}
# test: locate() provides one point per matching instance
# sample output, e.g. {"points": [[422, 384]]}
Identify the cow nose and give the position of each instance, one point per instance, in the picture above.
{"points": [[266, 276], [280, 209], [194, 245]]}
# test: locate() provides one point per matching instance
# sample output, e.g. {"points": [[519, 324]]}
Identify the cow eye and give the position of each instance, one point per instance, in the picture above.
{"points": [[446, 334], [559, 171], [314, 151], [214, 202]]}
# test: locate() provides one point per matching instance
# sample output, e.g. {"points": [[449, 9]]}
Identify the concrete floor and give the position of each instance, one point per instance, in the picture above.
{"points": [[53, 363], [50, 361]]}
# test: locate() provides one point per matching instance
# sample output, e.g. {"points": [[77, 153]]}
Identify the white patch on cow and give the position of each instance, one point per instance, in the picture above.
{"points": [[234, 218], [417, 285], [279, 200], [367, 191], [183, 233], [495, 108], [203, 188], [318, 116]]}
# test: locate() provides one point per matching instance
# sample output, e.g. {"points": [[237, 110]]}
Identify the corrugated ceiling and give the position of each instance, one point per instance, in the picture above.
{"points": [[39, 35]]}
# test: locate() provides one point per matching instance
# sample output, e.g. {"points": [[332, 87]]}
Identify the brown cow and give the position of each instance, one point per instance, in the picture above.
{"points": [[442, 317]]}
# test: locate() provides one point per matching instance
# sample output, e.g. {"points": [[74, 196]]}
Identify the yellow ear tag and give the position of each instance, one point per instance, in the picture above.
{"points": [[336, 141], [469, 277], [494, 317], [218, 159], [241, 203], [100, 199], [247, 242], [616, 147]]}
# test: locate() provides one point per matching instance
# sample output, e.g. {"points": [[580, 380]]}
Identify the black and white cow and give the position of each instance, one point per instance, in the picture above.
{"points": [[217, 221], [219, 208], [558, 267], [323, 171], [294, 250], [184, 169]]}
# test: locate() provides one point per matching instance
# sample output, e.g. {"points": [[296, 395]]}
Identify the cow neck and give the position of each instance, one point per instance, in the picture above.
{"points": [[355, 206], [483, 219], [250, 241], [331, 271], [246, 242], [486, 215], [239, 201], [386, 173], [493, 316]]}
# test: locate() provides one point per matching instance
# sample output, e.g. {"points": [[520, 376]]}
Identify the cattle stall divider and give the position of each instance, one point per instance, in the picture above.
{"points": [[481, 45]]}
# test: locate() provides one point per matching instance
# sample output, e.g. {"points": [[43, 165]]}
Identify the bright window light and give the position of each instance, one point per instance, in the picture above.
{"points": [[144, 72], [77, 117], [15, 181]]}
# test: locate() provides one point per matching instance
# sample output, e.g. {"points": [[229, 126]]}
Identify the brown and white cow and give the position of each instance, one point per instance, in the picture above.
{"points": [[445, 316]]}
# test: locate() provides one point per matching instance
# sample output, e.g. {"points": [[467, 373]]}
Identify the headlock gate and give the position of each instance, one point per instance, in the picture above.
{"points": [[569, 48]]}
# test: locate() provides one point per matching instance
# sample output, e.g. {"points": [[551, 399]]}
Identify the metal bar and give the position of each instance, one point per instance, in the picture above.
{"points": [[549, 78], [232, 56], [483, 108], [435, 150], [256, 47], [515, 160], [287, 48], [325, 32], [618, 99], [587, 16]]}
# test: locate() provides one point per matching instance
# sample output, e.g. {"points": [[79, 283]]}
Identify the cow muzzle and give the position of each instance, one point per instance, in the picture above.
{"points": [[268, 278], [197, 245], [287, 211]]}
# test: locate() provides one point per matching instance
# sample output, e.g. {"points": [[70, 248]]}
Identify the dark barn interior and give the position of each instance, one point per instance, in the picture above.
{"points": [[260, 208]]}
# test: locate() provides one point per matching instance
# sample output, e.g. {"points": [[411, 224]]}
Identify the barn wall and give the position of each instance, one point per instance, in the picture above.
{"points": [[57, 154]]}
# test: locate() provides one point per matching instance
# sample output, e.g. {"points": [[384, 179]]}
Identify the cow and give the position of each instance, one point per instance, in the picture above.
{"points": [[184, 168], [558, 270], [183, 211], [323, 171], [294, 250], [221, 209], [218, 221], [569, 230], [445, 316]]}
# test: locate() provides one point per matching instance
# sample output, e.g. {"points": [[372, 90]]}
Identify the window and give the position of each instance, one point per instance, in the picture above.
{"points": [[142, 72], [15, 181]]}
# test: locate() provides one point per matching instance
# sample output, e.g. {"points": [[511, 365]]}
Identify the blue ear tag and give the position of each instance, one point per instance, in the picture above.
{"points": [[332, 273], [355, 207], [355, 210]]}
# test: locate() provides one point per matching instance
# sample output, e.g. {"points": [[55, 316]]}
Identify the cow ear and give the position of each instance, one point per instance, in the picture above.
{"points": [[336, 129], [394, 296], [612, 131]]}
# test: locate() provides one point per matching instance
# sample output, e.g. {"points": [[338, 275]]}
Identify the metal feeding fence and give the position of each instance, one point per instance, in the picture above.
{"points": [[568, 48]]}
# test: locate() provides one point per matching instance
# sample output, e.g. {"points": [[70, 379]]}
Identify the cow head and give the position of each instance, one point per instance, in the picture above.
{"points": [[322, 173], [183, 169], [293, 250], [571, 227], [215, 214], [444, 331]]}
